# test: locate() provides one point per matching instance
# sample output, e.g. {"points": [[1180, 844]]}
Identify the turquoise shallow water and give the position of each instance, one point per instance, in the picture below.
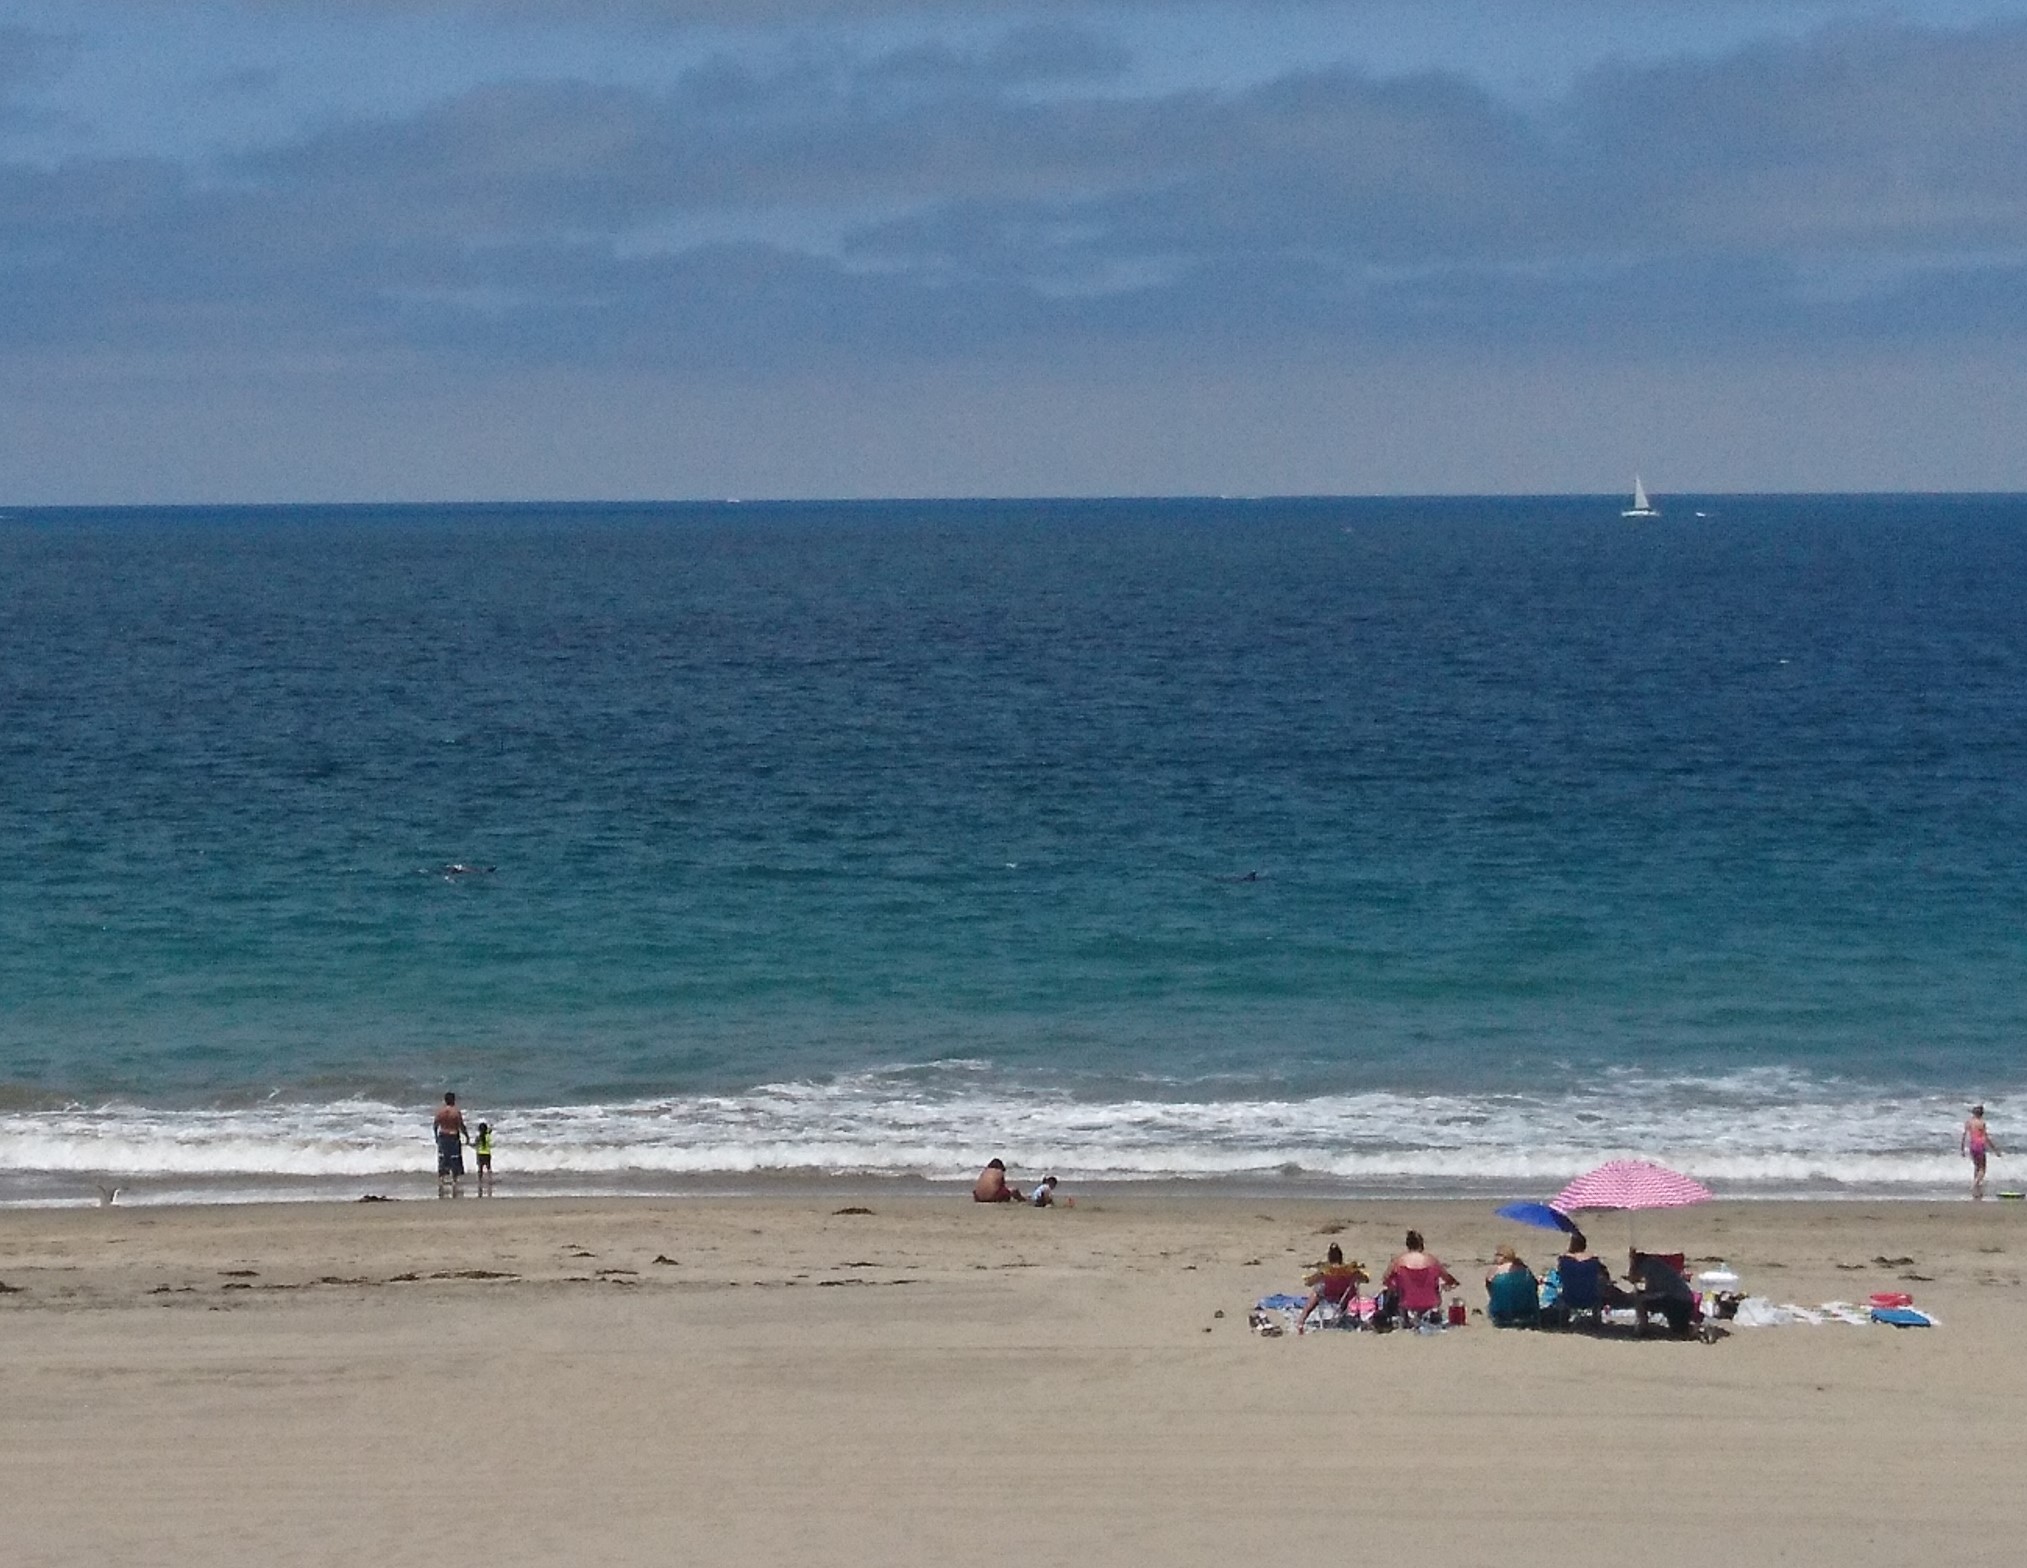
{"points": [[1375, 842]]}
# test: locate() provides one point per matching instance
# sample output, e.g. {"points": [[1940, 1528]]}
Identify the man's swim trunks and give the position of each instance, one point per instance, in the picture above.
{"points": [[450, 1155]]}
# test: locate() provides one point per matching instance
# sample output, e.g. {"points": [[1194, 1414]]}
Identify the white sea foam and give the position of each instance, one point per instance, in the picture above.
{"points": [[1752, 1132]]}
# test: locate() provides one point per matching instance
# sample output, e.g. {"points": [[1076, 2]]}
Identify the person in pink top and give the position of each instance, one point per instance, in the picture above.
{"points": [[1334, 1281], [1977, 1143], [1416, 1280]]}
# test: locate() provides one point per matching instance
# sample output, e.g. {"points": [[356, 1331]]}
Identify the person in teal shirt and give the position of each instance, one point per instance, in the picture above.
{"points": [[1512, 1294]]}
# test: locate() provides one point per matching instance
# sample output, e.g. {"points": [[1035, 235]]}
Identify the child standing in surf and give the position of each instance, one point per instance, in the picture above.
{"points": [[1977, 1143]]}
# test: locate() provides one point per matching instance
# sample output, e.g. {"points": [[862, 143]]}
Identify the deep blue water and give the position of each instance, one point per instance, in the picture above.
{"points": [[830, 836]]}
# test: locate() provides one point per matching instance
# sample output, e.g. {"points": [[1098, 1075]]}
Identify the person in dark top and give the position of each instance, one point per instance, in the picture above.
{"points": [[1661, 1290], [1585, 1281]]}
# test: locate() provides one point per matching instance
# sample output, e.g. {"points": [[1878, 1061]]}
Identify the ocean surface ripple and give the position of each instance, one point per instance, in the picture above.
{"points": [[1447, 844]]}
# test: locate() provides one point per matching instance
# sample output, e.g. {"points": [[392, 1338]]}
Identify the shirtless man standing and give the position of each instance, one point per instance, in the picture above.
{"points": [[450, 1154]]}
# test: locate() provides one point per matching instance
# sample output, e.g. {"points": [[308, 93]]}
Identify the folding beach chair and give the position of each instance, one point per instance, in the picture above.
{"points": [[1582, 1283], [1339, 1304], [1512, 1300], [1417, 1294]]}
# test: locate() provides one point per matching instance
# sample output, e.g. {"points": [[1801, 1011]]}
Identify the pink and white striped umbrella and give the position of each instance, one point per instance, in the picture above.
{"points": [[1630, 1184]]}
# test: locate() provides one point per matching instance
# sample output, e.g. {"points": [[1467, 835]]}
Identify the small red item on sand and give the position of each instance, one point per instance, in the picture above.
{"points": [[1891, 1298]]}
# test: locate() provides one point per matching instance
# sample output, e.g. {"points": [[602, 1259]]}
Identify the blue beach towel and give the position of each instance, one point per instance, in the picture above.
{"points": [[1902, 1317], [1281, 1303]]}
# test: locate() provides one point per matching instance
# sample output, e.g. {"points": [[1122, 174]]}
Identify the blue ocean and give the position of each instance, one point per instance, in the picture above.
{"points": [[1442, 845]]}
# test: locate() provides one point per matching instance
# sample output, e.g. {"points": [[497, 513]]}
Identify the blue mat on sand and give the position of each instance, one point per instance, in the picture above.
{"points": [[1902, 1317]]}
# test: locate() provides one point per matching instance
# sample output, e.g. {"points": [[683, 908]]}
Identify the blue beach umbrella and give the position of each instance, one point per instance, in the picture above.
{"points": [[1539, 1215]]}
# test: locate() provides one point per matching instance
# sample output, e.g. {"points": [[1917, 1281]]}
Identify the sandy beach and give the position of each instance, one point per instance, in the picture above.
{"points": [[829, 1378]]}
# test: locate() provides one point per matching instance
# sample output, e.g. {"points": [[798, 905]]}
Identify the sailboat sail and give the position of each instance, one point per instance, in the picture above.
{"points": [[1641, 506]]}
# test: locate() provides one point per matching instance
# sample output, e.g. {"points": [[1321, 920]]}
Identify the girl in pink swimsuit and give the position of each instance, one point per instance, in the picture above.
{"points": [[1977, 1143]]}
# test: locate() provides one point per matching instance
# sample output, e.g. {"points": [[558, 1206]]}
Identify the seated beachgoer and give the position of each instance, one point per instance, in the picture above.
{"points": [[1335, 1282], [1661, 1291], [1583, 1283], [991, 1186], [1512, 1294], [1044, 1195], [1415, 1282]]}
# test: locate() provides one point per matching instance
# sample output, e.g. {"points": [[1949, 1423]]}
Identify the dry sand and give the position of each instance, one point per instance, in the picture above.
{"points": [[773, 1381]]}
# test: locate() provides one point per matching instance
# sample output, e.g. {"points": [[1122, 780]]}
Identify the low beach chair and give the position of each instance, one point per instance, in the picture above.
{"points": [[1513, 1300], [1338, 1299], [1581, 1291], [1664, 1291], [1417, 1294]]}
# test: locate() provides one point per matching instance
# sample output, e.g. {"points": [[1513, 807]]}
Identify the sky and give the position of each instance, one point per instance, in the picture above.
{"points": [[434, 250]]}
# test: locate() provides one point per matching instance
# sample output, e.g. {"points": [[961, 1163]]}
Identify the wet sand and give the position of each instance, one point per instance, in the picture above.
{"points": [[772, 1379]]}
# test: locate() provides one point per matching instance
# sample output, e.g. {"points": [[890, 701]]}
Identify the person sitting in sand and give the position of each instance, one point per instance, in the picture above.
{"points": [[991, 1186], [1512, 1293], [1415, 1281], [1335, 1282], [1044, 1195], [1977, 1143]]}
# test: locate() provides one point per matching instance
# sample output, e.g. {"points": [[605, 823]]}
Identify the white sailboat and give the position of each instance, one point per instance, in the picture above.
{"points": [[1641, 506]]}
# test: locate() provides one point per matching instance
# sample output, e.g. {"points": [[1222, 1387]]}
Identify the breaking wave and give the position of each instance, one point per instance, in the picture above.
{"points": [[1770, 1131]]}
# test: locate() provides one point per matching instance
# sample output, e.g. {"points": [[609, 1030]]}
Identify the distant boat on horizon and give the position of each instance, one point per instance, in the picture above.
{"points": [[1641, 506]]}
